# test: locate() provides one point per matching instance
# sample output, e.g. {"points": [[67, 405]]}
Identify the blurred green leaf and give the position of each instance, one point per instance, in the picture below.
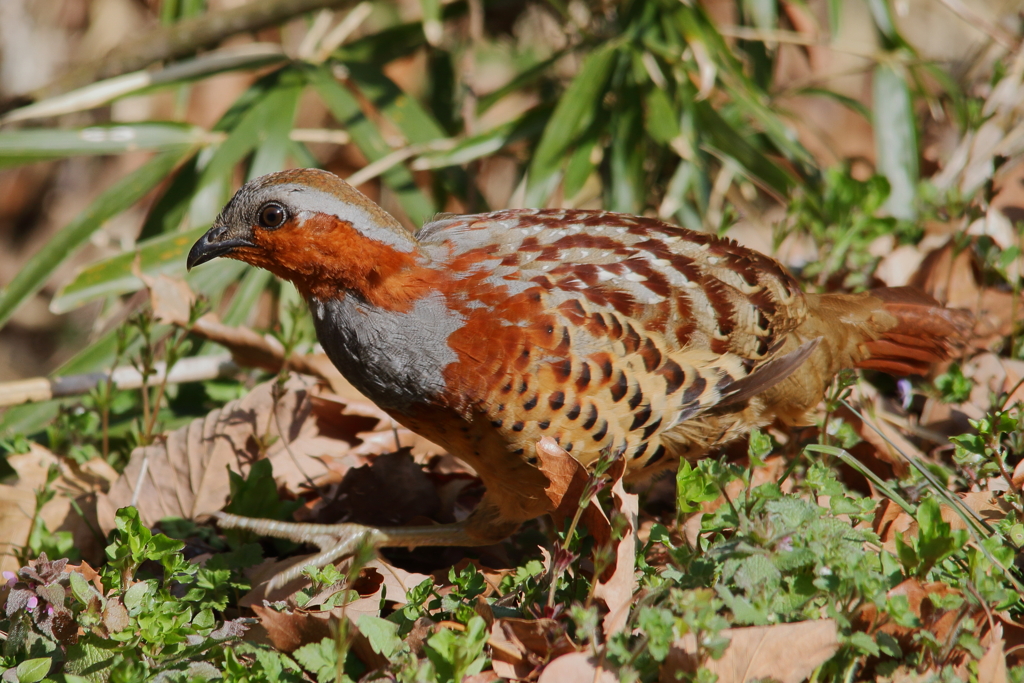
{"points": [[764, 14], [626, 188], [24, 146], [164, 254], [895, 139], [528, 125], [662, 120], [416, 123], [432, 28], [576, 109], [519, 82], [580, 166], [243, 304], [170, 209], [61, 246], [345, 108], [727, 140]]}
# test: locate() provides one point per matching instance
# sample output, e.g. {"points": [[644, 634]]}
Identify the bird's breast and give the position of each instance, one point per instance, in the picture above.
{"points": [[396, 359]]}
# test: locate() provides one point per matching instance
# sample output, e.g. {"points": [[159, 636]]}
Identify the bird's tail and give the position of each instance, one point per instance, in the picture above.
{"points": [[898, 330]]}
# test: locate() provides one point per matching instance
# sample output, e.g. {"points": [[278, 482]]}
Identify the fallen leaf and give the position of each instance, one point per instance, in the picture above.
{"points": [[18, 502], [787, 653], [567, 480], [186, 474], [520, 647], [616, 590], [289, 630], [939, 622], [899, 265], [992, 665], [576, 667], [566, 476], [170, 298]]}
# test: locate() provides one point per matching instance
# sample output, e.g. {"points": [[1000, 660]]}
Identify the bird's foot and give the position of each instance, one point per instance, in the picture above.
{"points": [[341, 540]]}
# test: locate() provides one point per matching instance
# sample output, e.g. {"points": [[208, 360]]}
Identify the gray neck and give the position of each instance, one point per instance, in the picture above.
{"points": [[395, 359]]}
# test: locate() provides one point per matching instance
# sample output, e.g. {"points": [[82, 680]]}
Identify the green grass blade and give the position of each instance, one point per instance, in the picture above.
{"points": [[415, 122], [243, 303], [895, 139], [122, 195], [879, 483]]}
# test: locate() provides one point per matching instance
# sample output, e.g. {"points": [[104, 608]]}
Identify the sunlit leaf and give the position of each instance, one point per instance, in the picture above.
{"points": [[895, 139], [24, 146], [164, 254]]}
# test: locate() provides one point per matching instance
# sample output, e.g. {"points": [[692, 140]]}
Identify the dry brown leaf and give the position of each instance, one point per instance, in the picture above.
{"points": [[391, 491], [566, 476], [18, 502], [941, 623], [186, 474], [617, 589], [992, 665], [787, 653], [951, 275], [170, 298], [519, 647], [994, 375], [576, 667], [898, 266], [291, 629], [397, 582], [567, 479]]}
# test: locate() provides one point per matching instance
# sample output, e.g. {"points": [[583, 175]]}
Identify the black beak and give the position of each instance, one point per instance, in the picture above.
{"points": [[212, 244]]}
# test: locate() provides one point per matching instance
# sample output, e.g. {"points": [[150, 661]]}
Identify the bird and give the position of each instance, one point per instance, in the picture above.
{"points": [[610, 333]]}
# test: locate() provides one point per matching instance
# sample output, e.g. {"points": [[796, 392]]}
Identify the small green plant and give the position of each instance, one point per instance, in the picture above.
{"points": [[126, 622], [953, 386]]}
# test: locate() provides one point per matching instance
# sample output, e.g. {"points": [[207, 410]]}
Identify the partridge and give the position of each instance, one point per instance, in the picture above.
{"points": [[607, 332]]}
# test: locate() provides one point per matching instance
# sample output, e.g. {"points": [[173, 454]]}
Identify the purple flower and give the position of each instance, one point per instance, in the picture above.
{"points": [[11, 578], [905, 391], [33, 602]]}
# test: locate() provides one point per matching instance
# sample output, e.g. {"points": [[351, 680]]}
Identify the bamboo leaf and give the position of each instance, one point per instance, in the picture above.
{"points": [[580, 166], [895, 139], [122, 195], [346, 110], [528, 125], [432, 27], [25, 146], [164, 254], [575, 111], [764, 14], [661, 119], [415, 122], [97, 94], [727, 140], [626, 189]]}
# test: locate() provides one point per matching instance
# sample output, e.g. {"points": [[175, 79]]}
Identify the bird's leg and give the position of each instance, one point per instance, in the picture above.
{"points": [[338, 540]]}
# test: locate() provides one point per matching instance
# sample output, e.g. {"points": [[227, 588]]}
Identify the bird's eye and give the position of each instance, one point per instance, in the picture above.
{"points": [[272, 215]]}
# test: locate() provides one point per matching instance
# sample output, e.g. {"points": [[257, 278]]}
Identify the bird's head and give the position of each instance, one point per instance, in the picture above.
{"points": [[312, 228]]}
